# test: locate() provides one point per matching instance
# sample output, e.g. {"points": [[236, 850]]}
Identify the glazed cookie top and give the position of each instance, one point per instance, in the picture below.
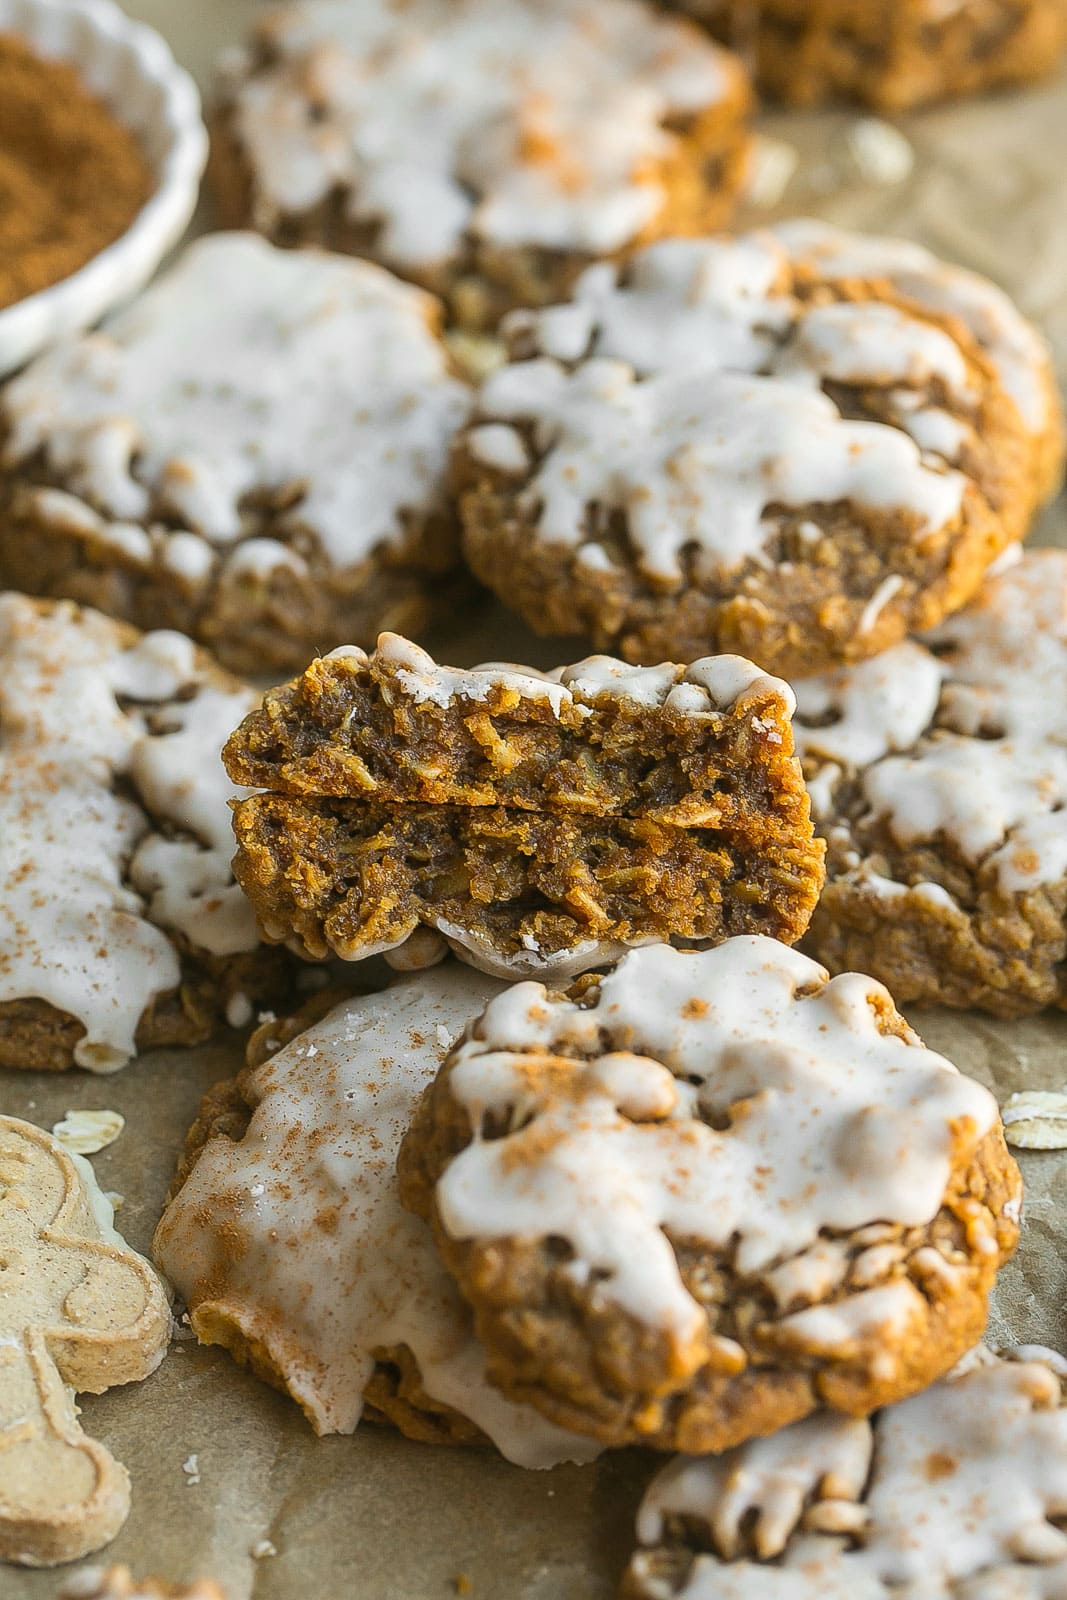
{"points": [[959, 1492], [734, 1094], [296, 1233], [114, 823], [714, 684], [512, 123], [961, 737], [693, 460], [246, 374], [1017, 350]]}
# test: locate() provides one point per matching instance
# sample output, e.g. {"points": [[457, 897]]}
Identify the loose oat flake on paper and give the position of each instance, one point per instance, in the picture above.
{"points": [[1036, 1119], [85, 1132]]}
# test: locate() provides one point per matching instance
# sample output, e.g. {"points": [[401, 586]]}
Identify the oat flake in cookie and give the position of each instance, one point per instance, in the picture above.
{"points": [[487, 149], [694, 1200], [288, 1242], [938, 773], [254, 453], [795, 445], [120, 924], [534, 823], [957, 1494], [889, 53]]}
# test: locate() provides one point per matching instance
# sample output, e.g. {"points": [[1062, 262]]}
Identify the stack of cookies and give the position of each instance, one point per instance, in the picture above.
{"points": [[626, 1142]]}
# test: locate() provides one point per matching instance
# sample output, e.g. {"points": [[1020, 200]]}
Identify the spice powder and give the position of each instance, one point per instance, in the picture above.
{"points": [[72, 178]]}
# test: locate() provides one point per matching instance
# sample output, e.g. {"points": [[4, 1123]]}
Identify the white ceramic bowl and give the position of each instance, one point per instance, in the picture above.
{"points": [[132, 70]]}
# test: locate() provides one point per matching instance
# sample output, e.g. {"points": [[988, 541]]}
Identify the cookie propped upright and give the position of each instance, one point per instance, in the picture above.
{"points": [[695, 1199], [534, 823]]}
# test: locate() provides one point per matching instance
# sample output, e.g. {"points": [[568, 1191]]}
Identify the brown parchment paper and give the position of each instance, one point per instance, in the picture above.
{"points": [[374, 1517]]}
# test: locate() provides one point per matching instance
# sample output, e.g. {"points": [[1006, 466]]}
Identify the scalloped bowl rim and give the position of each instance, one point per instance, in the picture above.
{"points": [[124, 266]]}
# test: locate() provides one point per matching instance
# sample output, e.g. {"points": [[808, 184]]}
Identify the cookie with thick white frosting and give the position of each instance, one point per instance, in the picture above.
{"points": [[938, 774], [889, 53], [486, 149], [694, 1200], [121, 926], [797, 445], [288, 1243], [536, 823], [254, 452], [959, 1493]]}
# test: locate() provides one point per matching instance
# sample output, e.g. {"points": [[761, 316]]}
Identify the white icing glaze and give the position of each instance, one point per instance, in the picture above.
{"points": [[729, 305], [514, 123], [697, 457], [955, 1494], [1017, 350], [244, 370], [80, 713], [704, 688], [983, 722], [880, 705], [331, 1268], [830, 1124]]}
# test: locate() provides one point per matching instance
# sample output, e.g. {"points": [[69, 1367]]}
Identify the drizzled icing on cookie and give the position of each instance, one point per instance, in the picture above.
{"points": [[699, 458], [731, 305], [114, 825], [247, 371], [965, 740], [730, 1095], [1018, 352], [296, 1234], [955, 1494], [514, 123], [703, 688]]}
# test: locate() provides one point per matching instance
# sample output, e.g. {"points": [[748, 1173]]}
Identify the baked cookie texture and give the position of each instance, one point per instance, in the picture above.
{"points": [[121, 927], [254, 453], [959, 1492], [892, 54], [694, 1200], [938, 773], [485, 149], [532, 822], [796, 445], [289, 1245]]}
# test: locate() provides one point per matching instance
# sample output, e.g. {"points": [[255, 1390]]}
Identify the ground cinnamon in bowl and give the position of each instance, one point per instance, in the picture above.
{"points": [[72, 178]]}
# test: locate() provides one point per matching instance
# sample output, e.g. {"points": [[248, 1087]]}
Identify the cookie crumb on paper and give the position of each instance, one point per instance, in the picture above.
{"points": [[85, 1132], [1036, 1119]]}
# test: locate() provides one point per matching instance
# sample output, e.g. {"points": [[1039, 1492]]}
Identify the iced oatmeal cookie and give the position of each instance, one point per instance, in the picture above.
{"points": [[535, 823], [938, 773], [694, 1200], [959, 1493], [889, 53], [287, 1240], [486, 149], [254, 452], [798, 445], [121, 926]]}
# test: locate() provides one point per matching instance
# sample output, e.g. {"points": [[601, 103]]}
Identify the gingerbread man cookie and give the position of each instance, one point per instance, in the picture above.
{"points": [[79, 1311]]}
